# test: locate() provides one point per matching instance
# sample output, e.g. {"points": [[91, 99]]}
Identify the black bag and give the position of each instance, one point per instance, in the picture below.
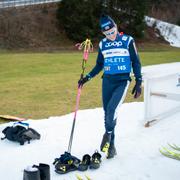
{"points": [[20, 132]]}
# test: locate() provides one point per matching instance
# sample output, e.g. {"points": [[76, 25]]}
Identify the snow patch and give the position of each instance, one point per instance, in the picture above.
{"points": [[138, 147], [170, 32]]}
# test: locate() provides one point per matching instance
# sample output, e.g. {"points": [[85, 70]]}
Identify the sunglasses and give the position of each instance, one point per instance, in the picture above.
{"points": [[109, 33]]}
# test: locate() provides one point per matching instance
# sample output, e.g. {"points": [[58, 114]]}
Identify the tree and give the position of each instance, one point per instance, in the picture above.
{"points": [[128, 14], [80, 18]]}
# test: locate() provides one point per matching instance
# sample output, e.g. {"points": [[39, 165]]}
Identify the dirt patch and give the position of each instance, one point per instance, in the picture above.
{"points": [[31, 27]]}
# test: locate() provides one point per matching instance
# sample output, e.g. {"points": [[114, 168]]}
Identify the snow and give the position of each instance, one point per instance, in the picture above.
{"points": [[170, 32], [161, 70], [138, 155], [138, 147]]}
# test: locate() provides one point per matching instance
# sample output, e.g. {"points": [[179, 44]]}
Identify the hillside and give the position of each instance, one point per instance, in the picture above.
{"points": [[165, 10], [31, 27], [36, 28]]}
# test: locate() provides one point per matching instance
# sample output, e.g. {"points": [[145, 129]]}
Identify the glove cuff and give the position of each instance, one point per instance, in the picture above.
{"points": [[139, 81], [88, 77]]}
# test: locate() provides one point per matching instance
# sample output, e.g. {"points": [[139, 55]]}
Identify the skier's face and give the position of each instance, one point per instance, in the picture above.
{"points": [[111, 33]]}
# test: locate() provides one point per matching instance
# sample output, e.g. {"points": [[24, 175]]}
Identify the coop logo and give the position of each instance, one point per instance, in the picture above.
{"points": [[114, 44]]}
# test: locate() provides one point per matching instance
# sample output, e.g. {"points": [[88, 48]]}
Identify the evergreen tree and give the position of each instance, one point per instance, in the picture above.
{"points": [[128, 14], [80, 18]]}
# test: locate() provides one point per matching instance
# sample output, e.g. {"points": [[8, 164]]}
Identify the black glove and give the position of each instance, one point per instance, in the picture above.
{"points": [[83, 80], [137, 89]]}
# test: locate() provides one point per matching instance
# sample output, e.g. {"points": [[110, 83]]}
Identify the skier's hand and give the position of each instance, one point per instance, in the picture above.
{"points": [[83, 80], [137, 89]]}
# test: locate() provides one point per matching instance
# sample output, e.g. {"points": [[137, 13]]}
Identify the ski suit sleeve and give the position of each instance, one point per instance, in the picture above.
{"points": [[136, 64], [99, 65]]}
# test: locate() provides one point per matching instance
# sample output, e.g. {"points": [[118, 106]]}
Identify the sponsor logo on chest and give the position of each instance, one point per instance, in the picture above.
{"points": [[113, 44]]}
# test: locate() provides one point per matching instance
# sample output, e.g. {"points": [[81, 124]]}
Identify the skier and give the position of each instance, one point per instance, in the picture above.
{"points": [[116, 56]]}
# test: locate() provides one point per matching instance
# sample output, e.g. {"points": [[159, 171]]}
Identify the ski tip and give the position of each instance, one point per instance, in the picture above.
{"points": [[79, 177], [11, 118], [87, 177]]}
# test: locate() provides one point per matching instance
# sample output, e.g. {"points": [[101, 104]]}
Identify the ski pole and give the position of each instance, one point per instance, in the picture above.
{"points": [[87, 47]]}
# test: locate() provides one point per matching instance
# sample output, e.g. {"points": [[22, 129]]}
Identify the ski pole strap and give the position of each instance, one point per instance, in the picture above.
{"points": [[87, 47]]}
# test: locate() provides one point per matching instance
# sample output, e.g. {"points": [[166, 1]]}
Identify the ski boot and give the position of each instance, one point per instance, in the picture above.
{"points": [[31, 173], [105, 142], [44, 171], [64, 168], [83, 166], [111, 151], [95, 160], [66, 163]]}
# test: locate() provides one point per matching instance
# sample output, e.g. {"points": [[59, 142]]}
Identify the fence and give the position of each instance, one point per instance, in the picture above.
{"points": [[161, 91], [16, 3]]}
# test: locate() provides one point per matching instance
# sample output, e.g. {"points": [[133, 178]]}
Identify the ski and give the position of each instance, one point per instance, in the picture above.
{"points": [[81, 178], [175, 147], [170, 154], [11, 118], [87, 177]]}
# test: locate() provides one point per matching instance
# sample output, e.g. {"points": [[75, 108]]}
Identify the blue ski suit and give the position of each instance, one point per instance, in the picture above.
{"points": [[116, 58]]}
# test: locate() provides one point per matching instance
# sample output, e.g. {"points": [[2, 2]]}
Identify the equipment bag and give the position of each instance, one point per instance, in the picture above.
{"points": [[20, 132]]}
